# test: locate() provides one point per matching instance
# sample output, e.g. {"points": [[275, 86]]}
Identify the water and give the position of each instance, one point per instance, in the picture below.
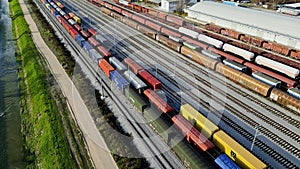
{"points": [[11, 155]]}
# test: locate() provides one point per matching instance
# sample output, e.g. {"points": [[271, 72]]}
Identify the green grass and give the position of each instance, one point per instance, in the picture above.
{"points": [[44, 141]]}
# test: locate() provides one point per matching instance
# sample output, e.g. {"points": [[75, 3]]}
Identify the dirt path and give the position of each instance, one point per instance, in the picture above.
{"points": [[97, 148]]}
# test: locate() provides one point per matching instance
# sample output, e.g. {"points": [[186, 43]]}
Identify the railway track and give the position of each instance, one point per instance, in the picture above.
{"points": [[163, 159], [137, 47]]}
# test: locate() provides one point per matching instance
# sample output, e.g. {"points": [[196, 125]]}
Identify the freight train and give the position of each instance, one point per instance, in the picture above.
{"points": [[281, 49], [140, 22], [224, 142], [253, 84], [180, 22]]}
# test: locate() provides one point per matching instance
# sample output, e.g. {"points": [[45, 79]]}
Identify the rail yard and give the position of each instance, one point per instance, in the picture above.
{"points": [[234, 102]]}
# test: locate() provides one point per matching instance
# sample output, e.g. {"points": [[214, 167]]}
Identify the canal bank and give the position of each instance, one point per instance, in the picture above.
{"points": [[11, 154]]}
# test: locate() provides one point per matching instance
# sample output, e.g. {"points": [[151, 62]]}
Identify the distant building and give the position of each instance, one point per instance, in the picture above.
{"points": [[270, 26], [291, 9], [169, 5]]}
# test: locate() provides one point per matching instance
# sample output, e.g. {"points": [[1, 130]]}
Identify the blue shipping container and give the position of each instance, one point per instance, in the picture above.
{"points": [[80, 40], [118, 80], [224, 162], [55, 13], [87, 46]]}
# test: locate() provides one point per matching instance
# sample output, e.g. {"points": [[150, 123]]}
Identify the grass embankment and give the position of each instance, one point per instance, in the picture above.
{"points": [[45, 143]]}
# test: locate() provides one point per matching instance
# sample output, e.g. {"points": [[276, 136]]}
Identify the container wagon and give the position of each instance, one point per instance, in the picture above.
{"points": [[158, 101], [150, 80], [188, 32], [211, 55], [267, 79], [235, 65], [117, 64], [294, 92], [204, 125], [119, 80], [236, 152], [288, 70], [133, 65], [136, 99], [137, 83], [192, 134], [199, 58], [224, 162], [212, 41], [105, 67], [238, 51], [285, 99]]}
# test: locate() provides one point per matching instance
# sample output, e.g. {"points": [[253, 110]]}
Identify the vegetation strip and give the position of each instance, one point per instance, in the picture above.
{"points": [[45, 143]]}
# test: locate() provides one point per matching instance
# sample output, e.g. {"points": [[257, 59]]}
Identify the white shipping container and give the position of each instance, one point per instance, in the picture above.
{"points": [[211, 41], [134, 80], [285, 69], [188, 32], [71, 21], [238, 51]]}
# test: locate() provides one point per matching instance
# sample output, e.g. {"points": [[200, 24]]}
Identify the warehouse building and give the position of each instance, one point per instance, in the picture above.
{"points": [[270, 26]]}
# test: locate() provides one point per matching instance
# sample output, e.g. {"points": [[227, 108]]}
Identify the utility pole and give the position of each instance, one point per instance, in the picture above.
{"points": [[255, 135]]}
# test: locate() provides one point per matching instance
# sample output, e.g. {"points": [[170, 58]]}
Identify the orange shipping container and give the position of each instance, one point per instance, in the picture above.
{"points": [[105, 67]]}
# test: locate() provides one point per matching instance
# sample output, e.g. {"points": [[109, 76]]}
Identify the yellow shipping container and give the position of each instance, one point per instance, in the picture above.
{"points": [[77, 19], [236, 152], [204, 125]]}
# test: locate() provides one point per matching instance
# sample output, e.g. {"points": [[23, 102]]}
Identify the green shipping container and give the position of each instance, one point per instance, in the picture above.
{"points": [[136, 99]]}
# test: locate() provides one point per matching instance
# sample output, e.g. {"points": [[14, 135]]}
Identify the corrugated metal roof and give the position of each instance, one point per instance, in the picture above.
{"points": [[281, 24]]}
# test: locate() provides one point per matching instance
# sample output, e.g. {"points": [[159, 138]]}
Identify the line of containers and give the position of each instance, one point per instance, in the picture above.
{"points": [[241, 78], [193, 137], [231, 47]]}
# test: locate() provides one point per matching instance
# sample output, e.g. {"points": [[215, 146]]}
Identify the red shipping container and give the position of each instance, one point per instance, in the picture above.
{"points": [[175, 20], [170, 32], [92, 31], [59, 18], [162, 15], [66, 16], [105, 67], [93, 42], [133, 65], [145, 10], [117, 9], [139, 19], [192, 134], [73, 33], [85, 34], [158, 101], [150, 80], [152, 12], [126, 13], [104, 51], [153, 25], [77, 27]]}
